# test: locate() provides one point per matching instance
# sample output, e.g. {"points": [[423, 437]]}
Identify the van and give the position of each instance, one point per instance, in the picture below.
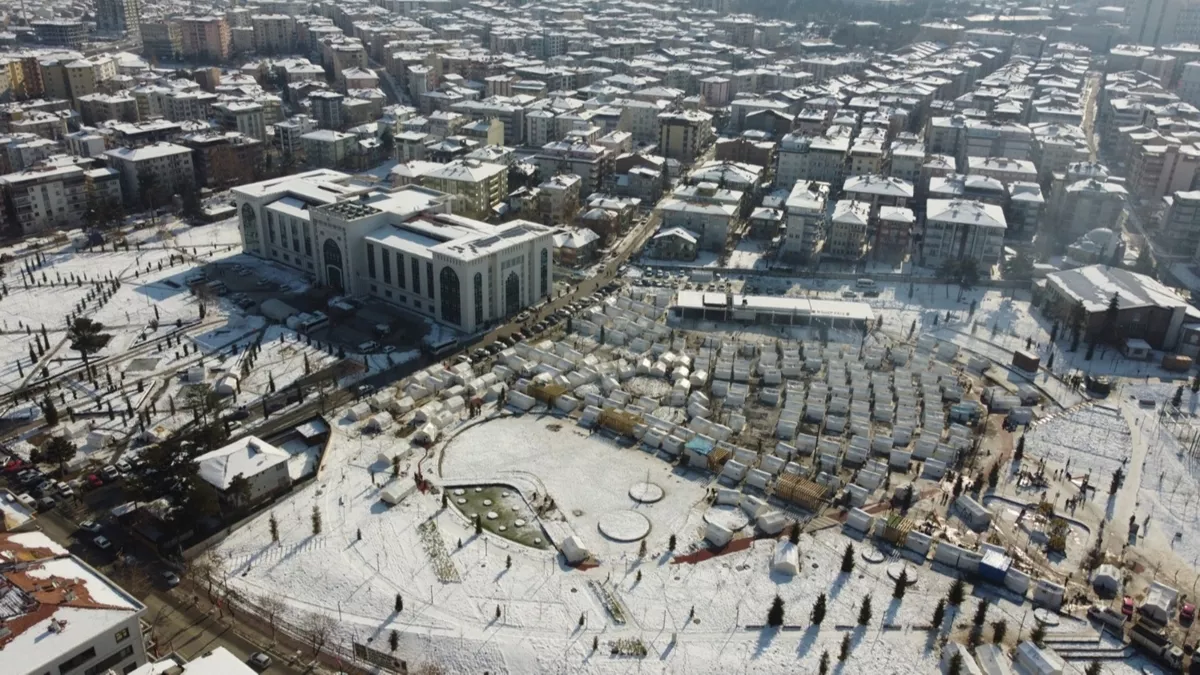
{"points": [[865, 284]]}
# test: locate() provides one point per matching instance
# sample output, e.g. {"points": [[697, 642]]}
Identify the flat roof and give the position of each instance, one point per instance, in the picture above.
{"points": [[774, 304]]}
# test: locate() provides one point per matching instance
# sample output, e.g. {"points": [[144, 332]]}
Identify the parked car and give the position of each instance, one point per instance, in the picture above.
{"points": [[102, 543], [110, 473], [368, 346], [45, 504], [124, 466], [94, 480], [169, 578], [523, 317], [259, 661], [237, 415], [14, 466], [1187, 613], [1127, 606], [90, 526]]}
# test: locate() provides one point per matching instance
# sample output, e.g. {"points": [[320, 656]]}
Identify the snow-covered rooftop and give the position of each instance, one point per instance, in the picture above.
{"points": [[247, 457], [1095, 285]]}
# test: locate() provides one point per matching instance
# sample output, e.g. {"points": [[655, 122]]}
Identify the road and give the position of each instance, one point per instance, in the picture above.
{"points": [[176, 622]]}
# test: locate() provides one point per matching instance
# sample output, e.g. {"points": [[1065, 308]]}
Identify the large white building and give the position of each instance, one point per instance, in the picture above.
{"points": [[403, 247], [59, 615]]}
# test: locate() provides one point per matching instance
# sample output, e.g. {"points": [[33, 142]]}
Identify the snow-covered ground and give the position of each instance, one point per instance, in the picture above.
{"points": [[454, 624]]}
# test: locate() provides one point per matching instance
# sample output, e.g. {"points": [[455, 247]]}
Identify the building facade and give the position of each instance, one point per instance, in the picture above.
{"points": [[402, 247]]}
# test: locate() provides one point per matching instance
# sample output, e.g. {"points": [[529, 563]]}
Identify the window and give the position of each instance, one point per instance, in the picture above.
{"points": [[112, 660], [451, 296], [270, 228], [283, 238], [387, 267], [77, 660], [478, 298], [400, 270], [416, 277], [370, 261], [295, 238], [545, 272], [429, 278], [307, 241]]}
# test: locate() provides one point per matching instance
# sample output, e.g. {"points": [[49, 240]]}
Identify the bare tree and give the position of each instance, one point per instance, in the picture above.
{"points": [[317, 628], [271, 607], [202, 570]]}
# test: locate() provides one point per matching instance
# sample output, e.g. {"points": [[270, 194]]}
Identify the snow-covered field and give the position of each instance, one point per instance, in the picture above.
{"points": [[454, 624]]}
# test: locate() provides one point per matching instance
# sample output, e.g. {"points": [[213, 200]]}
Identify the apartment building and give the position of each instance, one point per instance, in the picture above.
{"points": [[61, 615], [53, 196], [1003, 169], [592, 163], [328, 149], [475, 187], [87, 76], [60, 32], [684, 135], [162, 39], [274, 33], [289, 132], [243, 117], [1083, 198], [1055, 147], [806, 218], [97, 108], [819, 158], [963, 230], [848, 230], [224, 159], [327, 109], [1179, 230], [205, 38], [558, 200], [119, 16], [167, 165]]}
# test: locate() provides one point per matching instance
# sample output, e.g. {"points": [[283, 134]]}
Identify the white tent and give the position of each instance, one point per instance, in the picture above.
{"points": [[717, 534], [360, 411], [574, 550], [1107, 580], [786, 559], [380, 422], [226, 385], [392, 494], [426, 434]]}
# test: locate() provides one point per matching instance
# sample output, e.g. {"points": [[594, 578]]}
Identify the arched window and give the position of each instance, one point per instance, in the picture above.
{"points": [[512, 294], [451, 297], [333, 264], [249, 226], [545, 272], [249, 218], [478, 298]]}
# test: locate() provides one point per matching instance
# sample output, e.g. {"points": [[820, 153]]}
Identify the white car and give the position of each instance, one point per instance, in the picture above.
{"points": [[368, 346], [102, 543]]}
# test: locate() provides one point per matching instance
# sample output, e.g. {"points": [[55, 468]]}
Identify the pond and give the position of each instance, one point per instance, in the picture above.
{"points": [[502, 510]]}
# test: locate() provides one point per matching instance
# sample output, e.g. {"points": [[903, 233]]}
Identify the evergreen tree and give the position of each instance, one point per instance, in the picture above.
{"points": [[864, 611], [939, 613], [844, 652], [775, 614], [993, 476], [508, 563], [394, 640], [1196, 384], [671, 543], [478, 525], [955, 666], [823, 666], [958, 591], [980, 614], [1038, 634], [1093, 668], [848, 559], [274, 526], [818, 611], [399, 603], [999, 629], [794, 535], [50, 412], [901, 585], [1019, 454], [316, 520], [1177, 399], [1116, 481]]}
